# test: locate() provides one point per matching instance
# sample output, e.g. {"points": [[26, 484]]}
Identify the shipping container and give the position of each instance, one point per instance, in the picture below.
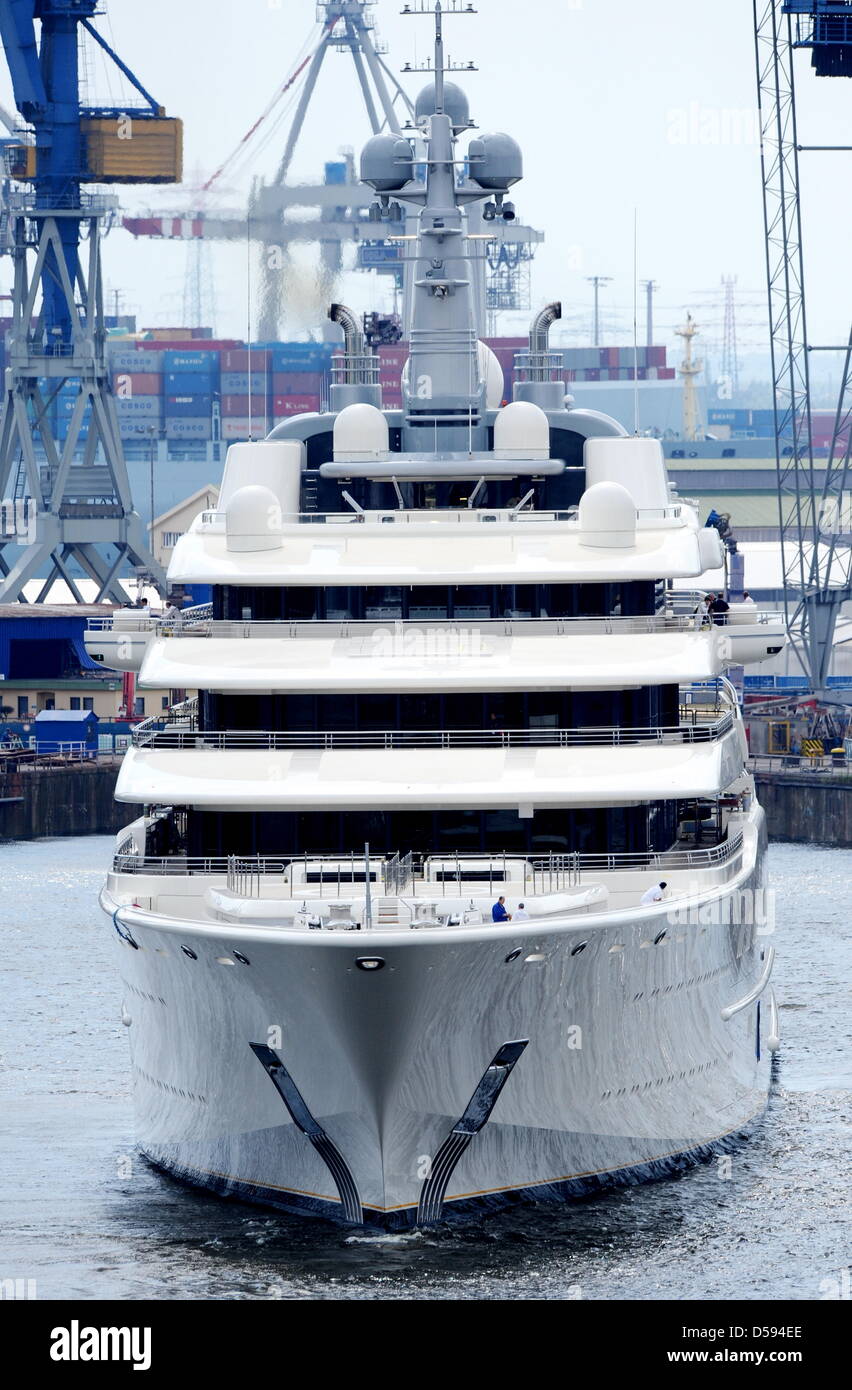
{"points": [[298, 383], [238, 427], [191, 406], [302, 357], [189, 383], [245, 360], [137, 384], [134, 360], [244, 405], [237, 383], [189, 427], [393, 355], [141, 406], [282, 406], [175, 360], [186, 343]]}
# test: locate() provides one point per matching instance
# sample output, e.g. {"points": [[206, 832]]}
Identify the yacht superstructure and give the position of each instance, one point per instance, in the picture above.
{"points": [[379, 918]]}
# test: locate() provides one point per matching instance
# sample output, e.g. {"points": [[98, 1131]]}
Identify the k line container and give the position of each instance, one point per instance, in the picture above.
{"points": [[282, 406]]}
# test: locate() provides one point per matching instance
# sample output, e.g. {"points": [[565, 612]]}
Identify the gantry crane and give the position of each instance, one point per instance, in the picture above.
{"points": [[815, 532], [72, 497], [335, 213]]}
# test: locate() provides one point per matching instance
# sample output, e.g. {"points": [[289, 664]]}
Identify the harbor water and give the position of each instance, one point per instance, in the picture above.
{"points": [[86, 1218]]}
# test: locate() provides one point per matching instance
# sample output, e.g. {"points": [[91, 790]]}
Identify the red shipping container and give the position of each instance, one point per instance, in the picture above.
{"points": [[666, 373], [393, 356], [282, 406], [237, 360], [184, 344], [239, 405], [506, 344], [297, 383], [126, 384], [239, 427]]}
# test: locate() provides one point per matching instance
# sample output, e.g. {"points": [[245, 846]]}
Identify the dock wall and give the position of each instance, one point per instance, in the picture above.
{"points": [[815, 809], [74, 800]]}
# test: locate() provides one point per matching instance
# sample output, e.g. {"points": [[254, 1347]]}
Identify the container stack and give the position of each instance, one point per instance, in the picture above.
{"points": [[735, 423], [190, 386], [392, 359], [617, 364], [300, 377]]}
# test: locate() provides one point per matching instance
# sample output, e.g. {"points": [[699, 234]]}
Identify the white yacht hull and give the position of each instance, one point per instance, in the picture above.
{"points": [[629, 1071]]}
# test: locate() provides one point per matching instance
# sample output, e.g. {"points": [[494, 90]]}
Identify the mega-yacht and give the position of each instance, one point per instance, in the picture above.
{"points": [[448, 886]]}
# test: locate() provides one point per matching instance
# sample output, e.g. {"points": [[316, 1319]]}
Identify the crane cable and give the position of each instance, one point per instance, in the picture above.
{"points": [[205, 187]]}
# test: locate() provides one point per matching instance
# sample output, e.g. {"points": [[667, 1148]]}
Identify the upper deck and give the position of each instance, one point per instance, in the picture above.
{"points": [[470, 545]]}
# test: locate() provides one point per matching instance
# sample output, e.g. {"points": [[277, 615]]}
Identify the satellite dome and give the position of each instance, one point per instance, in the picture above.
{"points": [[495, 161], [253, 519], [521, 430], [360, 432], [387, 163], [455, 105], [607, 517]]}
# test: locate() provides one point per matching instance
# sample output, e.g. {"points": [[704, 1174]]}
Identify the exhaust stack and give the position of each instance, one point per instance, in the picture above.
{"points": [[355, 375], [538, 371]]}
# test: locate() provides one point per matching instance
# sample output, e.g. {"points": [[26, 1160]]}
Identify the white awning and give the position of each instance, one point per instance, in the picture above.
{"points": [[428, 778], [388, 660]]}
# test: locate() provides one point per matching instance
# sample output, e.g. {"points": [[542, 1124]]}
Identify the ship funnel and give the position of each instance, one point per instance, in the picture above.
{"points": [[354, 374], [538, 371]]}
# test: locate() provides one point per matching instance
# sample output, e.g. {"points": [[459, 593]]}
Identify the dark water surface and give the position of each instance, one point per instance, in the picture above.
{"points": [[85, 1217]]}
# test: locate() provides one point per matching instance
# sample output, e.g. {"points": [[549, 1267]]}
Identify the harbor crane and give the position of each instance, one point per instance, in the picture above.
{"points": [[67, 500], [336, 213], [816, 530]]}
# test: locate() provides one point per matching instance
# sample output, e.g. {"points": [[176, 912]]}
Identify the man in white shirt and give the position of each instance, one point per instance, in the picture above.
{"points": [[521, 915], [654, 894]]}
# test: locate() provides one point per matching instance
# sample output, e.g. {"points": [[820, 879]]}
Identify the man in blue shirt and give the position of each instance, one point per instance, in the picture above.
{"points": [[499, 913]]}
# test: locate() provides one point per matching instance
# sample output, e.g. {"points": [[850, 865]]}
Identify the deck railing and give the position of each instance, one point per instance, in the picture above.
{"points": [[436, 875], [197, 623], [190, 739]]}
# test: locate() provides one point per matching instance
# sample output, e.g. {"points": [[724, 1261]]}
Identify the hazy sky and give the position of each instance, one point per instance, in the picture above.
{"points": [[615, 104]]}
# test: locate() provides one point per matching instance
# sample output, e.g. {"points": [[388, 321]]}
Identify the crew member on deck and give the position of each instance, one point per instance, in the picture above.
{"points": [[498, 911], [654, 894]]}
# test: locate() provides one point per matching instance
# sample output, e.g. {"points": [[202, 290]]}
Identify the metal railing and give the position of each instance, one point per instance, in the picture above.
{"points": [[692, 730], [435, 875], [200, 623]]}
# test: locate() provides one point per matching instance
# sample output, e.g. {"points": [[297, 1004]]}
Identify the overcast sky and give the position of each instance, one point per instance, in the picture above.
{"points": [[616, 105]]}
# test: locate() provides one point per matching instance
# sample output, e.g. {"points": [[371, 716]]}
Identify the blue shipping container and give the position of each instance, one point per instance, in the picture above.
{"points": [[181, 427], [189, 383], [194, 407], [177, 361], [303, 357]]}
